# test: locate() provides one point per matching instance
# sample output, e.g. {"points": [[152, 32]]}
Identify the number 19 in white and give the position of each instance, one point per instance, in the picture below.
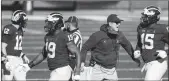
{"points": [[50, 46]]}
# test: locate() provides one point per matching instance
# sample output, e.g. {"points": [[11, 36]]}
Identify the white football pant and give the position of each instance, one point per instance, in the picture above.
{"points": [[16, 71], [62, 73], [154, 70]]}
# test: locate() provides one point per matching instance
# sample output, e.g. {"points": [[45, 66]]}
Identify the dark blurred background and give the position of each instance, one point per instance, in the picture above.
{"points": [[71, 5]]}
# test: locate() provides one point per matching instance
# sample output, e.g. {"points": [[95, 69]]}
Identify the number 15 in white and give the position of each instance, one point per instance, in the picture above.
{"points": [[148, 39]]}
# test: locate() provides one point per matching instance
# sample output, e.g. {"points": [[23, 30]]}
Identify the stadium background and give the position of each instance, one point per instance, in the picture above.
{"points": [[91, 14]]}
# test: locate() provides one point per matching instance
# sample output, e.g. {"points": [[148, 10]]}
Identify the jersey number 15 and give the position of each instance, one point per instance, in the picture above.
{"points": [[147, 41]]}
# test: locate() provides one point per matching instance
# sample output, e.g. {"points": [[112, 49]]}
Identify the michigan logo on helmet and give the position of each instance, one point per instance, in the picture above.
{"points": [[150, 15], [54, 21], [19, 17]]}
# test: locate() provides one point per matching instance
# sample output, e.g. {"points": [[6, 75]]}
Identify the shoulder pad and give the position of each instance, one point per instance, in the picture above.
{"points": [[8, 29], [163, 27]]}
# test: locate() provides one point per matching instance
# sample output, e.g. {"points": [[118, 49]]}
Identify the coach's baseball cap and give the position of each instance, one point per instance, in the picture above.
{"points": [[73, 19], [113, 18]]}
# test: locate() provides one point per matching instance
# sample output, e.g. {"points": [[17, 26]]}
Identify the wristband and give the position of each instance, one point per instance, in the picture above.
{"points": [[31, 64], [22, 55]]}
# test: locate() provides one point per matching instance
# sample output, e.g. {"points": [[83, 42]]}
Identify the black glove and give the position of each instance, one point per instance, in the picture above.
{"points": [[31, 64]]}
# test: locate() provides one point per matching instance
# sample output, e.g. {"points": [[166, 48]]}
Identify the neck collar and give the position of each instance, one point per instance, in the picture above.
{"points": [[74, 30], [16, 26]]}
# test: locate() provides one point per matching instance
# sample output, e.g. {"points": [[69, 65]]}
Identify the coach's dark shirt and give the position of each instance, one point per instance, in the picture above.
{"points": [[105, 47]]}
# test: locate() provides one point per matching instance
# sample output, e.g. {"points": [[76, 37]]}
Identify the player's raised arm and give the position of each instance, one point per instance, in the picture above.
{"points": [[39, 58], [74, 50]]}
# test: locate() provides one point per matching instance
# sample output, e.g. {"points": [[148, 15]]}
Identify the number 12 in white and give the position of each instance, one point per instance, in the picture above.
{"points": [[18, 43]]}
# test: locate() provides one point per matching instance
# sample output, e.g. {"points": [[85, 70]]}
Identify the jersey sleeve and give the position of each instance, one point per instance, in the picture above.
{"points": [[138, 45], [126, 44], [165, 37], [6, 34], [90, 43]]}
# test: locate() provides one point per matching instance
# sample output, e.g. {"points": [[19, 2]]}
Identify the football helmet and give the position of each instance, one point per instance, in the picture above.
{"points": [[54, 21], [19, 17], [150, 15]]}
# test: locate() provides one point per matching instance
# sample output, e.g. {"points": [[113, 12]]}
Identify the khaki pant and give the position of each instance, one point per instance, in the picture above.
{"points": [[99, 73]]}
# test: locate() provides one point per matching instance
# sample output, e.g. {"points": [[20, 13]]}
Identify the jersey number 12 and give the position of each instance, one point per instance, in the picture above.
{"points": [[18, 43]]}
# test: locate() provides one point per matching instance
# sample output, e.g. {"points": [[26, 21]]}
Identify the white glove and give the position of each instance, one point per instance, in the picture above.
{"points": [[83, 67], [8, 66], [76, 77], [162, 54], [137, 54], [24, 67], [26, 60], [4, 59]]}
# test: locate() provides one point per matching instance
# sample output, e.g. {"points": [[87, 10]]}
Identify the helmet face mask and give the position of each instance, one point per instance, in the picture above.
{"points": [[49, 26], [23, 21], [150, 15], [53, 22], [19, 18]]}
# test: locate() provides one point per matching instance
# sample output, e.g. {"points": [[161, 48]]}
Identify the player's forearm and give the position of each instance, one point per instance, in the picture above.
{"points": [[4, 45], [38, 59], [84, 53], [78, 61], [74, 50]]}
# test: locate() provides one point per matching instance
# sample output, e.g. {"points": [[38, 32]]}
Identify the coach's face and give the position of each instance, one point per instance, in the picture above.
{"points": [[114, 26]]}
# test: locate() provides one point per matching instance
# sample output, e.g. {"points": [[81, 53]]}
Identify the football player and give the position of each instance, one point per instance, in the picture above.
{"points": [[12, 56], [152, 37], [105, 45], [56, 50], [75, 35]]}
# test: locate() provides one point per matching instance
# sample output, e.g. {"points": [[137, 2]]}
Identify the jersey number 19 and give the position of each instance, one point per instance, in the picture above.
{"points": [[50, 47]]}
